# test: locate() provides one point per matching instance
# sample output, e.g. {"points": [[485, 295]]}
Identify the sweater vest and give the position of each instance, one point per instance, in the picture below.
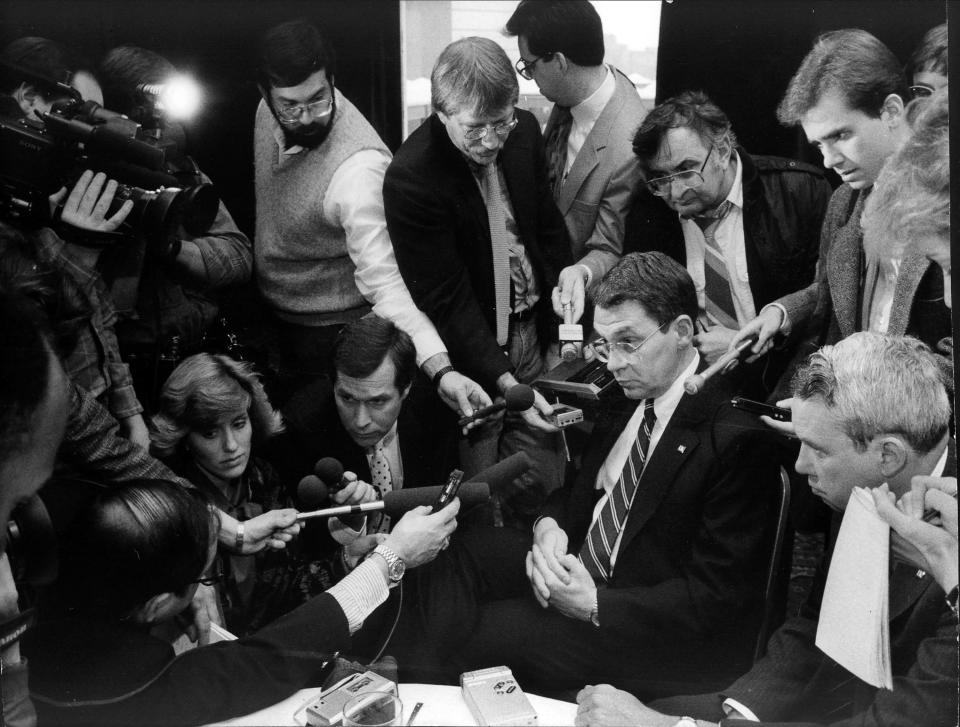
{"points": [[302, 265]]}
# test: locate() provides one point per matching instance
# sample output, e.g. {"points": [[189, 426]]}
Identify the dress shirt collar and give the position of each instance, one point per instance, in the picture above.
{"points": [[588, 111], [941, 464], [736, 190], [387, 441]]}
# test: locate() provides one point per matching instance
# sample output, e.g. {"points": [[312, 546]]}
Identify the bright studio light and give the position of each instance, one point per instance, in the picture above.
{"points": [[180, 97]]}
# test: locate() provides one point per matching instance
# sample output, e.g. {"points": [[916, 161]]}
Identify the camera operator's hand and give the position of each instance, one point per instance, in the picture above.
{"points": [[89, 201], [420, 535]]}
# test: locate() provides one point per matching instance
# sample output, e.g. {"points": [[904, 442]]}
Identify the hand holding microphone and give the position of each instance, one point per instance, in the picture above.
{"points": [[727, 362], [517, 398]]}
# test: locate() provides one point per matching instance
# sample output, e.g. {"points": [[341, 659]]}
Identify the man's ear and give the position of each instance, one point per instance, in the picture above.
{"points": [[891, 112], [563, 61], [685, 329], [403, 394], [894, 455], [27, 97], [155, 607]]}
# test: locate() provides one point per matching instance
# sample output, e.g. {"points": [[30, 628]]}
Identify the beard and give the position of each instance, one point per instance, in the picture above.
{"points": [[311, 135]]}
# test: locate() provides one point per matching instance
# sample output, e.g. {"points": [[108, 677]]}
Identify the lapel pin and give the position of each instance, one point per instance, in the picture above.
{"points": [[682, 448]]}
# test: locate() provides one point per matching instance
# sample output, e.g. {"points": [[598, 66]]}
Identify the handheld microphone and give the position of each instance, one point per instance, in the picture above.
{"points": [[330, 470], [570, 336], [501, 475], [397, 502], [517, 398], [725, 363], [311, 492]]}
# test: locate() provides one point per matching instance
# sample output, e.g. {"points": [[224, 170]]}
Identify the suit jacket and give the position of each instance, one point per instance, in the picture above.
{"points": [[425, 427], [438, 224], [798, 684], [85, 671], [696, 544], [830, 307], [596, 194]]}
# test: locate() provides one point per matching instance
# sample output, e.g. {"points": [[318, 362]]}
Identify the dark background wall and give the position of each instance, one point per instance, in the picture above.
{"points": [[215, 40], [742, 53]]}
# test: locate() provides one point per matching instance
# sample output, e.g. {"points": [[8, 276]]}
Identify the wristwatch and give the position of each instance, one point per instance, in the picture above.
{"points": [[395, 565]]}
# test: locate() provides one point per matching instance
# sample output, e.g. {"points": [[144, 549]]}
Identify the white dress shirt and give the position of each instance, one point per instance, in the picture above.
{"points": [[585, 115], [663, 407], [354, 200], [730, 239]]}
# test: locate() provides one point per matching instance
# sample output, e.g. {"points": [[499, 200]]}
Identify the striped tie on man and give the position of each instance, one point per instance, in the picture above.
{"points": [[603, 534]]}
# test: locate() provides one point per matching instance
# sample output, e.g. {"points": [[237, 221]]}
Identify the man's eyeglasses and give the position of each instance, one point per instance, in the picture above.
{"points": [[503, 130], [921, 90], [525, 68], [316, 109], [690, 179], [209, 580], [602, 348]]}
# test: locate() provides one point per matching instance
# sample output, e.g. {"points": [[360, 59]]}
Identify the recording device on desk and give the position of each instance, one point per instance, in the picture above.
{"points": [[327, 709], [588, 380], [40, 155], [495, 698]]}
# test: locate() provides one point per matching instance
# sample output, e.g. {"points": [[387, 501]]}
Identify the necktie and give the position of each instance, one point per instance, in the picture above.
{"points": [[717, 293], [603, 534], [500, 248], [556, 148], [380, 474]]}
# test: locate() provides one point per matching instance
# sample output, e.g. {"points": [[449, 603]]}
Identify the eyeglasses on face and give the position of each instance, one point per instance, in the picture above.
{"points": [[525, 68], [475, 133], [921, 90], [602, 348], [315, 109], [209, 580], [689, 178]]}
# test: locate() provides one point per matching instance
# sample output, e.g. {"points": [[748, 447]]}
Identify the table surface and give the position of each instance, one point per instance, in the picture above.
{"points": [[442, 705]]}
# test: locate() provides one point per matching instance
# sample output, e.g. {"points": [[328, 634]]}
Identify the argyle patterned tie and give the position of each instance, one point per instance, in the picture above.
{"points": [[603, 534], [382, 481], [556, 148], [499, 243], [717, 292]]}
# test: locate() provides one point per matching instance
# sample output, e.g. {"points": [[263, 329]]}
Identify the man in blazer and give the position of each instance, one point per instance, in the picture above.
{"points": [[593, 173], [684, 572], [857, 122], [769, 212], [477, 237], [868, 410]]}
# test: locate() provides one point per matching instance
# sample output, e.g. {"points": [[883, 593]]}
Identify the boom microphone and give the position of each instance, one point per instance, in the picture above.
{"points": [[695, 383], [501, 475], [517, 398], [397, 502]]}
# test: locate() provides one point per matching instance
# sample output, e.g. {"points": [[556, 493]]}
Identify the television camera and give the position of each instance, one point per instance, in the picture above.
{"points": [[40, 155]]}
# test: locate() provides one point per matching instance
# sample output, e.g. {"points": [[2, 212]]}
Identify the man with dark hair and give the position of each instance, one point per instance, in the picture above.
{"points": [[375, 421], [54, 61], [848, 96], [34, 404], [747, 227], [927, 67], [870, 413], [323, 254], [480, 241], [167, 303], [652, 555], [596, 108]]}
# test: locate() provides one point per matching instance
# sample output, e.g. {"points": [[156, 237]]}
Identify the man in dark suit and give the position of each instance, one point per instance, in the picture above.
{"points": [[374, 419], [868, 410], [478, 238], [747, 227], [848, 96], [634, 588], [591, 169]]}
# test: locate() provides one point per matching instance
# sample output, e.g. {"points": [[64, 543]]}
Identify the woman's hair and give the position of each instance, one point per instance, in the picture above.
{"points": [[203, 389], [135, 542]]}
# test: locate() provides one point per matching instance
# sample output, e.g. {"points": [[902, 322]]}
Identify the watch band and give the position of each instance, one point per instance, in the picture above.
{"points": [[441, 373], [395, 565]]}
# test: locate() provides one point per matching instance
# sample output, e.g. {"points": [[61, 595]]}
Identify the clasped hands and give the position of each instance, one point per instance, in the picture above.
{"points": [[558, 578]]}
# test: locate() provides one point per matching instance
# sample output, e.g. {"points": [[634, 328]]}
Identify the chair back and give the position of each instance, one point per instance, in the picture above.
{"points": [[778, 571]]}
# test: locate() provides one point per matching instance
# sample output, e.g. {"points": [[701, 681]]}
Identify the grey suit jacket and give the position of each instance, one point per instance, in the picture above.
{"points": [[596, 194]]}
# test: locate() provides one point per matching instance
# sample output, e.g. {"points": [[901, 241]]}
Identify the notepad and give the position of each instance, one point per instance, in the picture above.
{"points": [[854, 629]]}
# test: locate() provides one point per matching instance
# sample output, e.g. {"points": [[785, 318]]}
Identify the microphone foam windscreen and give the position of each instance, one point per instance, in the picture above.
{"points": [[312, 493], [397, 502], [503, 473], [329, 470], [518, 397]]}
